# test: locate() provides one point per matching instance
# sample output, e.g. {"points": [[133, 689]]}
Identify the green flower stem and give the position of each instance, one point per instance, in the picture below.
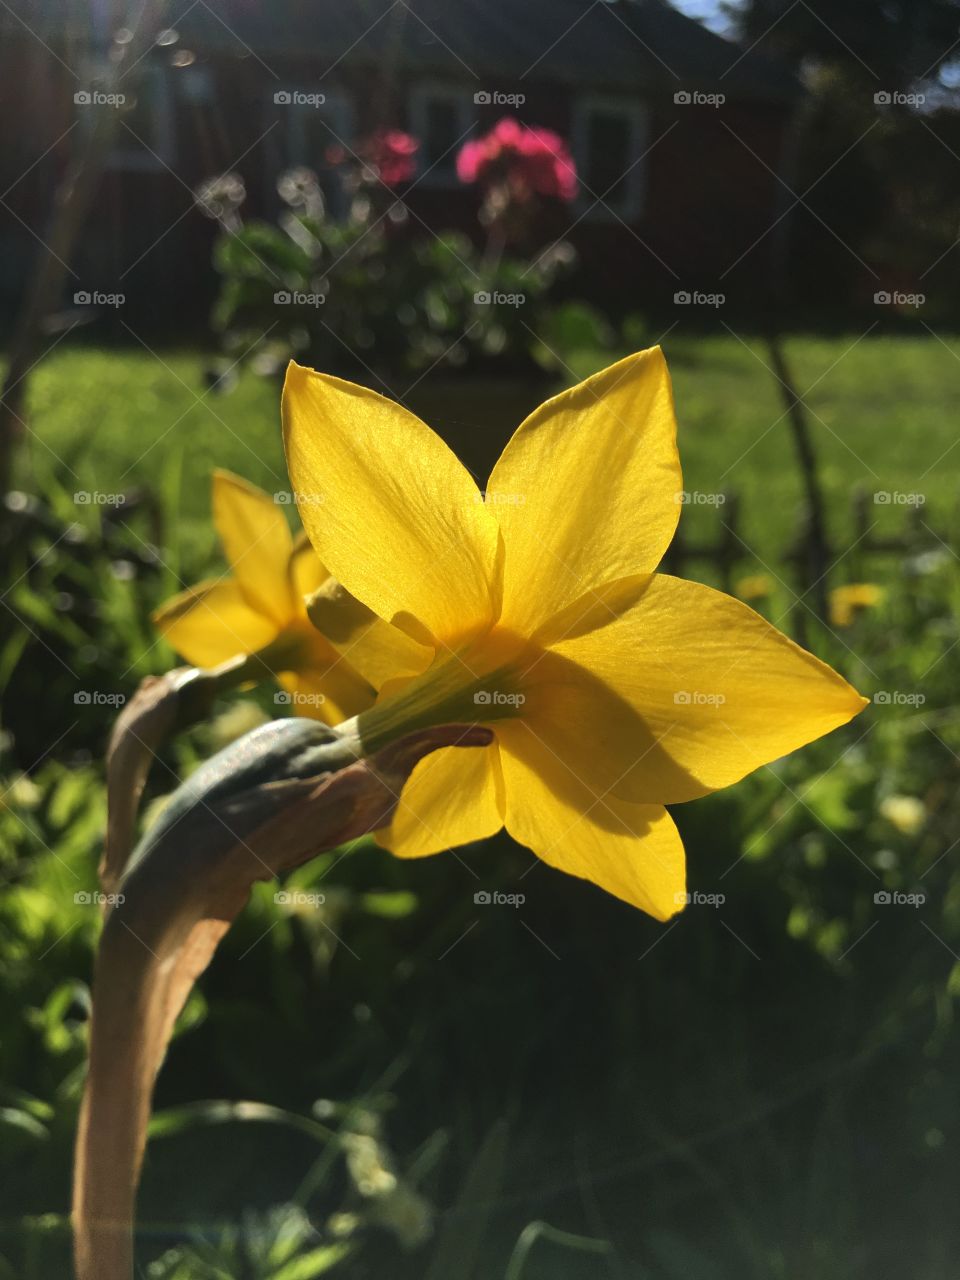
{"points": [[450, 692]]}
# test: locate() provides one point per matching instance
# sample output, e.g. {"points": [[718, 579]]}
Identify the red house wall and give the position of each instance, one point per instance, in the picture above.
{"points": [[710, 189]]}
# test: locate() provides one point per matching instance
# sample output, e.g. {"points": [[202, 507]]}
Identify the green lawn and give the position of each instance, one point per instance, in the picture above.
{"points": [[883, 416], [882, 412]]}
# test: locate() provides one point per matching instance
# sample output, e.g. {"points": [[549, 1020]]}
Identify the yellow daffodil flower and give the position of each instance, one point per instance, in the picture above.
{"points": [[260, 609], [848, 602], [535, 609]]}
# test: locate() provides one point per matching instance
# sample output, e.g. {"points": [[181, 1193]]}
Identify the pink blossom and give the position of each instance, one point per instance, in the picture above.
{"points": [[388, 152], [393, 152], [528, 159]]}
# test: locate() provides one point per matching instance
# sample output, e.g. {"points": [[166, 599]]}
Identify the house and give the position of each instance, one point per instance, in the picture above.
{"points": [[678, 134]]}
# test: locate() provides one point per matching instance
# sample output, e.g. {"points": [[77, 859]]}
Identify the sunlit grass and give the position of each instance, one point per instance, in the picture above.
{"points": [[882, 413]]}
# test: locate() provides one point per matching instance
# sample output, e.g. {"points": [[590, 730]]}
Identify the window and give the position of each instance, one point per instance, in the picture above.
{"points": [[314, 128], [195, 86], [441, 118], [609, 137], [310, 130], [145, 136]]}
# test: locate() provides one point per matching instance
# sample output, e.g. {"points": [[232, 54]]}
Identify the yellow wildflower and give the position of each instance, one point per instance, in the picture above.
{"points": [[755, 586], [848, 602]]}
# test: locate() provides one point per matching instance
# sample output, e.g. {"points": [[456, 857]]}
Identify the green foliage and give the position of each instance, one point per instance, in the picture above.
{"points": [[367, 297], [879, 204], [896, 43], [280, 1245]]}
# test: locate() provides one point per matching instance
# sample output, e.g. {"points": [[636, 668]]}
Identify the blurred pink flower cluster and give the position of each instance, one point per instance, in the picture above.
{"points": [[528, 161], [388, 154], [392, 153]]}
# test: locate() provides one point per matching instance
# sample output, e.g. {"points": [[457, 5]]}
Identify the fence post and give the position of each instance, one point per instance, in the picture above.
{"points": [[816, 553], [729, 548]]}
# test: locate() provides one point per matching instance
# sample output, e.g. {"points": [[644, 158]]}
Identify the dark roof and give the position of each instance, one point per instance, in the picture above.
{"points": [[641, 46]]}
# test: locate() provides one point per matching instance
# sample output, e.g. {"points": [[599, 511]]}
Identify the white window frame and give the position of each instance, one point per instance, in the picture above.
{"points": [[638, 118], [152, 82], [422, 95], [337, 110]]}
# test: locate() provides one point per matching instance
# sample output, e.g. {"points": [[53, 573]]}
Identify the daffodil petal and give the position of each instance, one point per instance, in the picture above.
{"points": [[379, 651], [307, 573], [323, 686], [213, 622], [257, 543], [588, 489], [631, 850], [686, 691], [454, 796], [391, 512]]}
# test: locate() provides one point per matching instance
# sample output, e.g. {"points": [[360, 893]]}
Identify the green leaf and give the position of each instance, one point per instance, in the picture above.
{"points": [[458, 1246], [315, 1263], [390, 906], [535, 1231], [26, 1123]]}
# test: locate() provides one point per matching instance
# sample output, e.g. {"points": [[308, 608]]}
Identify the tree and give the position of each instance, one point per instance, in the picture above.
{"points": [[897, 43]]}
